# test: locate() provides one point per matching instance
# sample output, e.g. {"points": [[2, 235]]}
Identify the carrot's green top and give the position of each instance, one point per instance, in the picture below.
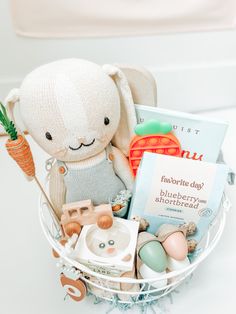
{"points": [[7, 124], [153, 127]]}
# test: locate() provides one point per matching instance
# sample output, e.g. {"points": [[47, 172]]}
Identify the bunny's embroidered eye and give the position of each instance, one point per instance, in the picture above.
{"points": [[48, 136], [101, 245], [111, 242], [106, 121]]}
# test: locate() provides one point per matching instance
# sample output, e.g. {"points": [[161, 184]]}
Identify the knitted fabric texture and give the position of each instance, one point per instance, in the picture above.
{"points": [[65, 106], [102, 184]]}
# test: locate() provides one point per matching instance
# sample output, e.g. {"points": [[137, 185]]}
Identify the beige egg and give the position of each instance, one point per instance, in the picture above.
{"points": [[176, 246]]}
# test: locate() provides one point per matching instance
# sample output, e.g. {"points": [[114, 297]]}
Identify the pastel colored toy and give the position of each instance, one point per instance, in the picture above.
{"points": [[162, 142], [82, 114], [112, 250], [153, 255], [147, 273], [173, 264], [176, 246], [150, 253], [83, 213], [173, 239]]}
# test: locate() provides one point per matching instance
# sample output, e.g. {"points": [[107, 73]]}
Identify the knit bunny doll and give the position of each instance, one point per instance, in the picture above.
{"points": [[83, 115]]}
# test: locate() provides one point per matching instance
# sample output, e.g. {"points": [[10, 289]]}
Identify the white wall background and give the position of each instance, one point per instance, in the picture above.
{"points": [[193, 71]]}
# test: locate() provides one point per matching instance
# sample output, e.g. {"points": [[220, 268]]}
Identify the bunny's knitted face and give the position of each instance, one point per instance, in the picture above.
{"points": [[71, 108]]}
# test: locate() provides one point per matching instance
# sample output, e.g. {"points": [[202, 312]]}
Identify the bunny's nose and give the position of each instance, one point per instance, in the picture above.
{"points": [[76, 139], [111, 250], [81, 139]]}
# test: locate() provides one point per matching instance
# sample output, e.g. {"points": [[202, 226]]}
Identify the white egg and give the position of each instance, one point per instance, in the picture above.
{"points": [[173, 264], [147, 273]]}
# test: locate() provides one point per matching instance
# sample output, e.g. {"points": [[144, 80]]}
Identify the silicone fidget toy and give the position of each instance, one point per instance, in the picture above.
{"points": [[166, 144]]}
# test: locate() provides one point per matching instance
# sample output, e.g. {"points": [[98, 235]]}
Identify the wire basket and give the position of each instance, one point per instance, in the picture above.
{"points": [[126, 291]]}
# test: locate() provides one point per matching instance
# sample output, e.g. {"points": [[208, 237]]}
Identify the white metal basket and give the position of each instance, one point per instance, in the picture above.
{"points": [[140, 291]]}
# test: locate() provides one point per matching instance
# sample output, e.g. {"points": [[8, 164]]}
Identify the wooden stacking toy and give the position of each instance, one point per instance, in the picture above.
{"points": [[154, 137]]}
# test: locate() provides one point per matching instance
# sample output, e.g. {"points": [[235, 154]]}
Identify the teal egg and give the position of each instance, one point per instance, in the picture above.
{"points": [[153, 255]]}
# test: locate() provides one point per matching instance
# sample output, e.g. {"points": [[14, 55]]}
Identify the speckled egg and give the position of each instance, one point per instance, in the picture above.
{"points": [[176, 246], [153, 255]]}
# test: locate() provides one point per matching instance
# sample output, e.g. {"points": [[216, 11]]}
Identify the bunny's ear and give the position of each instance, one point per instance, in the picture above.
{"points": [[142, 84], [11, 100], [128, 119]]}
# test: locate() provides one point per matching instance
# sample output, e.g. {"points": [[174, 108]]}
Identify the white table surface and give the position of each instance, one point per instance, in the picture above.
{"points": [[29, 281]]}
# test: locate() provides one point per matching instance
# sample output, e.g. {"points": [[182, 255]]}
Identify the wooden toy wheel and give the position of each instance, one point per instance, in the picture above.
{"points": [[105, 222], [76, 289], [71, 228]]}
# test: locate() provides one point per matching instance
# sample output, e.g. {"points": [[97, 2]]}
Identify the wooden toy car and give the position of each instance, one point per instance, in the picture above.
{"points": [[83, 213]]}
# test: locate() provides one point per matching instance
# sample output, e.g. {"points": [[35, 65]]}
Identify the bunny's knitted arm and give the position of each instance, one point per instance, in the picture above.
{"points": [[122, 169], [57, 189]]}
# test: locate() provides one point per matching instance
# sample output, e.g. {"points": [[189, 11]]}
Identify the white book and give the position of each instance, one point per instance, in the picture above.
{"points": [[201, 138]]}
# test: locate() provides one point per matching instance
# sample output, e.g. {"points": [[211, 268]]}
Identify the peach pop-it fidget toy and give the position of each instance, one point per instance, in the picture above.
{"points": [[155, 137]]}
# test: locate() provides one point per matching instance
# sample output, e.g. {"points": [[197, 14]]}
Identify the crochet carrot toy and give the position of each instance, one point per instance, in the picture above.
{"points": [[18, 148]]}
